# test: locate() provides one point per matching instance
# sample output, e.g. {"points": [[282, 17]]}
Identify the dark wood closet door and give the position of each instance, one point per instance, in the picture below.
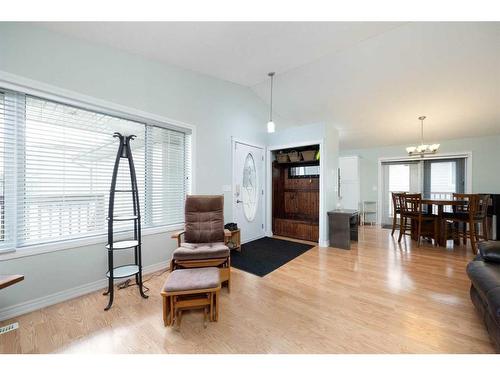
{"points": [[295, 205]]}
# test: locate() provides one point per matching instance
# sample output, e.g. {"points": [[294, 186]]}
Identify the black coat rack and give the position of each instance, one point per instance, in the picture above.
{"points": [[127, 270]]}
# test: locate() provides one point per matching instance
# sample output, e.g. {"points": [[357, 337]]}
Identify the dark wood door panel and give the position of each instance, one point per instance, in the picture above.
{"points": [[291, 202], [296, 229]]}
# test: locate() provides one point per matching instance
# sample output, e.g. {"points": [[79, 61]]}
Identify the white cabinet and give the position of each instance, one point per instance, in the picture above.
{"points": [[349, 182]]}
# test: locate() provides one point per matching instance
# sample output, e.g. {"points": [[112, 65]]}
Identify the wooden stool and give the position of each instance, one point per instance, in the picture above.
{"points": [[191, 288]]}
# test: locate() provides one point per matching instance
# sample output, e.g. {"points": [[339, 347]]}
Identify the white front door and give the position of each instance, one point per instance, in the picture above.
{"points": [[248, 190]]}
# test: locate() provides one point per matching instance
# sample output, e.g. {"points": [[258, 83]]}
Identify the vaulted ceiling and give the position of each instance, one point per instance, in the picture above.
{"points": [[369, 80]]}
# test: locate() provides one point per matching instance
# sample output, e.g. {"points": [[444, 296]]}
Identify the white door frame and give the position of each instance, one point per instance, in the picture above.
{"points": [[323, 241], [468, 172], [233, 201]]}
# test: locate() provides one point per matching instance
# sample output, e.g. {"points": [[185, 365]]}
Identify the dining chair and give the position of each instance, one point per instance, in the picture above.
{"points": [[482, 217], [396, 210], [466, 218], [424, 225]]}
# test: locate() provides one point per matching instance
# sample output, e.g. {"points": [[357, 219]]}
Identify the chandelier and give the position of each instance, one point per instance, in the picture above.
{"points": [[422, 149]]}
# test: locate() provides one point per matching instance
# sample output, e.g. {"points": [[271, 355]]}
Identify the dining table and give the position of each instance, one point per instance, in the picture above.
{"points": [[441, 203]]}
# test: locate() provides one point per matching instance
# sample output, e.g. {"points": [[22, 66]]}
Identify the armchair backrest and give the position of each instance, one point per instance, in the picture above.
{"points": [[204, 216]]}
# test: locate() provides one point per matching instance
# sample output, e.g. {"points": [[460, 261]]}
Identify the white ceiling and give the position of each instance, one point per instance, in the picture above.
{"points": [[370, 80]]}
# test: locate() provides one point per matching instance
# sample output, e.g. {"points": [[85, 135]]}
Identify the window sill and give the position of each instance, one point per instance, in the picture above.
{"points": [[73, 244]]}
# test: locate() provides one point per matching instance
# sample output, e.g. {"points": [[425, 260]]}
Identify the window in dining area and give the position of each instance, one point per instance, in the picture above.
{"points": [[398, 177], [443, 177], [434, 178]]}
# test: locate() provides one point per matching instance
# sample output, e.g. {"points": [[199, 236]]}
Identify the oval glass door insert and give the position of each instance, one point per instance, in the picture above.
{"points": [[249, 193]]}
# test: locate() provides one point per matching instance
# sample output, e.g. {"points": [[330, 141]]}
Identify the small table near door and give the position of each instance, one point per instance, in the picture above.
{"points": [[343, 228], [234, 242], [440, 203]]}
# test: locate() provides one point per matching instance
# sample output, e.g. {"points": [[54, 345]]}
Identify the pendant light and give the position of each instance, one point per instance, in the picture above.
{"points": [[271, 127], [422, 149]]}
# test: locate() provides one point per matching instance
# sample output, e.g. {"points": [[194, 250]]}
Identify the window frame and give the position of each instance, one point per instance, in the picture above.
{"points": [[9, 82]]}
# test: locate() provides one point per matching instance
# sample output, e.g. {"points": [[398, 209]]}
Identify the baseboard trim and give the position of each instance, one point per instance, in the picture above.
{"points": [[52, 299], [324, 243], [253, 239]]}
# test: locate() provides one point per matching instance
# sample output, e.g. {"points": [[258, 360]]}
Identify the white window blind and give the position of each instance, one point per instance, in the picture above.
{"points": [[68, 156], [10, 113], [168, 176], [63, 167]]}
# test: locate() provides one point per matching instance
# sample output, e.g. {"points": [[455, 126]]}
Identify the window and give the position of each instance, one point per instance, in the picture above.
{"points": [[168, 171], [400, 176], [443, 177], [8, 116], [304, 171], [434, 178], [3, 135], [397, 176], [60, 176]]}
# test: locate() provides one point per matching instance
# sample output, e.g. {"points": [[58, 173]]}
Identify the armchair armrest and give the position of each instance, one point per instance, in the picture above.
{"points": [[178, 236]]}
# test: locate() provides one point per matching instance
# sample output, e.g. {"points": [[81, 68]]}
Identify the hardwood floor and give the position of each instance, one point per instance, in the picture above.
{"points": [[378, 297]]}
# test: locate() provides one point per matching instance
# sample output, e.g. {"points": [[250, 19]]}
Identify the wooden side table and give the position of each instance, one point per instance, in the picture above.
{"points": [[5, 281], [235, 240], [8, 280]]}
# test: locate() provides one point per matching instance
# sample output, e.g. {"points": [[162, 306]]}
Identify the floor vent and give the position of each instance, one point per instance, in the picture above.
{"points": [[9, 328]]}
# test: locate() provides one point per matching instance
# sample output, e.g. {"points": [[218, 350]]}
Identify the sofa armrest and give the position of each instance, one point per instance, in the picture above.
{"points": [[178, 236], [490, 251]]}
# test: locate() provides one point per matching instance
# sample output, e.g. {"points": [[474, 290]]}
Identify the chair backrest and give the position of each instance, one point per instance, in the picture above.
{"points": [[468, 205], [483, 201], [396, 203], [204, 216], [411, 204]]}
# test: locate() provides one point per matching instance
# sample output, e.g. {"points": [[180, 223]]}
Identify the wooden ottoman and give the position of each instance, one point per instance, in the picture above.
{"points": [[191, 288]]}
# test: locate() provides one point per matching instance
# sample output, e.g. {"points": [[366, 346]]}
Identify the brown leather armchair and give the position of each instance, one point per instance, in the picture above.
{"points": [[205, 238]]}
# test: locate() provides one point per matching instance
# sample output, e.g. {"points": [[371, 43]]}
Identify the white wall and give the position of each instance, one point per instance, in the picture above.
{"points": [[218, 109]]}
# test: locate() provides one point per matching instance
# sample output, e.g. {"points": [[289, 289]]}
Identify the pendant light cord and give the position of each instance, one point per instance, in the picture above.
{"points": [[421, 131], [421, 118], [271, 101]]}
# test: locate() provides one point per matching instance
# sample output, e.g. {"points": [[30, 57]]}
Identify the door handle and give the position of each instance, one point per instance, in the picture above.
{"points": [[238, 201]]}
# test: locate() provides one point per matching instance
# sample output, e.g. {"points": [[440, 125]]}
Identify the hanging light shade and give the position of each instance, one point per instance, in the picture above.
{"points": [[422, 149], [271, 127]]}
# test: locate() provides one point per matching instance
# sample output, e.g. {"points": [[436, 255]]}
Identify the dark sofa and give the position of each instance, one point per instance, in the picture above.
{"points": [[484, 273]]}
